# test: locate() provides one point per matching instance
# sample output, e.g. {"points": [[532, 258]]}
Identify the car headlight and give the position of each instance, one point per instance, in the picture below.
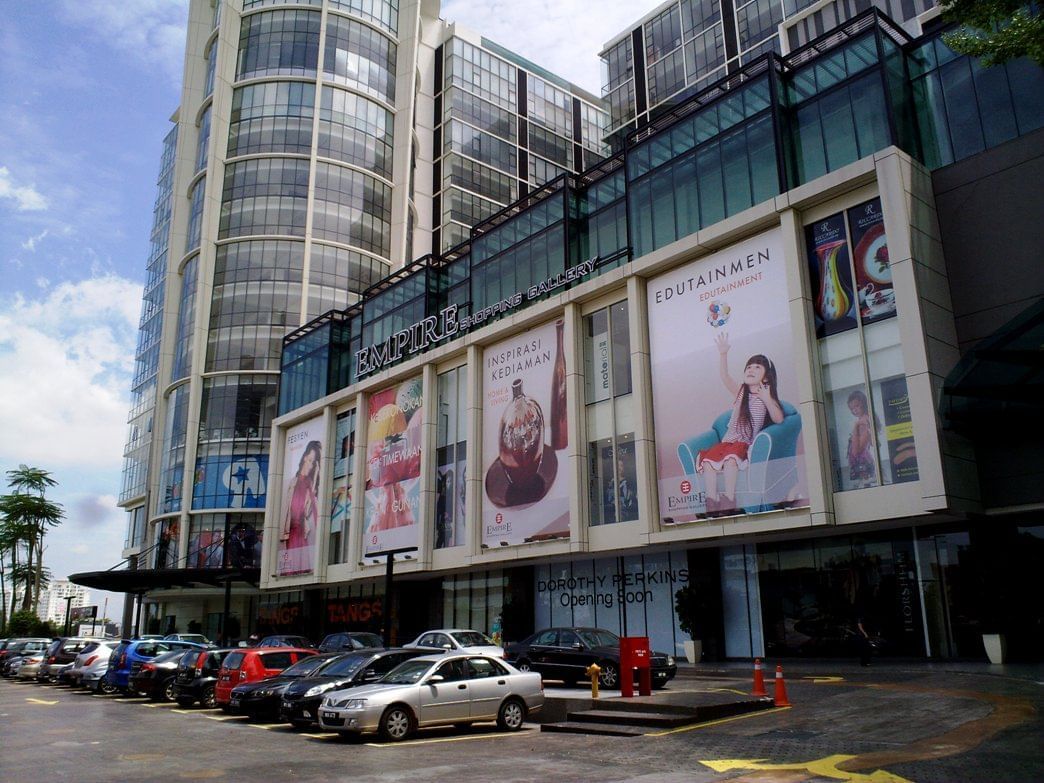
{"points": [[344, 703], [315, 690], [670, 660], [261, 693]]}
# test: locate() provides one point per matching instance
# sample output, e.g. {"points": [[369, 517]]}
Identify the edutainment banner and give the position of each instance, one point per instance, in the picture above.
{"points": [[728, 434], [393, 464], [299, 513], [524, 443]]}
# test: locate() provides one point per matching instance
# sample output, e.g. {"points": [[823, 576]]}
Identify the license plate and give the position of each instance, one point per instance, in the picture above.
{"points": [[330, 715]]}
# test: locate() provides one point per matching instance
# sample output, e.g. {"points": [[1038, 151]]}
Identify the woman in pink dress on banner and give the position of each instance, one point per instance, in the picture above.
{"points": [[755, 405], [300, 517]]}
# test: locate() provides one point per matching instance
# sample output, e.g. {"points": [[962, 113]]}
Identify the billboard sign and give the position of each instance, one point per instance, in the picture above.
{"points": [[299, 514]]}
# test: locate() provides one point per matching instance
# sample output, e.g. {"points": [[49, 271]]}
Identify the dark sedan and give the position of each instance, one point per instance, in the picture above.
{"points": [[262, 699], [564, 654], [301, 698], [155, 678]]}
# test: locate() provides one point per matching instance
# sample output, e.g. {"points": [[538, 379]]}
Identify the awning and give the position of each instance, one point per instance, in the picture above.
{"points": [[998, 386], [144, 580]]}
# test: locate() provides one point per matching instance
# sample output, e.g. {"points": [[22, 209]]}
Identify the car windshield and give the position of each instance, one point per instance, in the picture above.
{"points": [[367, 640], [471, 638], [171, 655], [307, 666], [596, 637], [346, 665], [406, 673]]}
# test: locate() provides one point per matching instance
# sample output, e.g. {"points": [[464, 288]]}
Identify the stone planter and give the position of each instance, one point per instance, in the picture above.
{"points": [[996, 647], [693, 650]]}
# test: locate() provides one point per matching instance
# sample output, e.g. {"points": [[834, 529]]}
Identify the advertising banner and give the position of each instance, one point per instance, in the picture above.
{"points": [[728, 434], [230, 482], [902, 454], [341, 494], [870, 251], [524, 443], [393, 464], [830, 270], [299, 515]]}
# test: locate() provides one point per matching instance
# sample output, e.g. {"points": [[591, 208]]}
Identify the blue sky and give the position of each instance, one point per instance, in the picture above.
{"points": [[86, 92]]}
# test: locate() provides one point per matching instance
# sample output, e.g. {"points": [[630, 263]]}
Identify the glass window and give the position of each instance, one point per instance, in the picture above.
{"points": [[186, 321], [203, 140], [206, 544], [271, 117], [279, 43], [662, 34], [451, 458], [360, 57], [356, 130], [195, 221], [341, 500], [384, 13], [612, 471], [264, 197]]}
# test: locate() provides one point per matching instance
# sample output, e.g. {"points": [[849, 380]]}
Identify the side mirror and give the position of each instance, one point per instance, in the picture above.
{"points": [[435, 679]]}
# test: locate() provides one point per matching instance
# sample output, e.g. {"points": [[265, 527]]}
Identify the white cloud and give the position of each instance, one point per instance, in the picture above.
{"points": [[152, 30], [26, 197], [66, 360], [31, 243]]}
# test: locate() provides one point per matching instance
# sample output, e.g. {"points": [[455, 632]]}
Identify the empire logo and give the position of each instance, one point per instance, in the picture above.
{"points": [[500, 519], [685, 487]]}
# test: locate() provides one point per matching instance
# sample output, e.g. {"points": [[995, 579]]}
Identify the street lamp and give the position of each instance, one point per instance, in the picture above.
{"points": [[68, 609]]}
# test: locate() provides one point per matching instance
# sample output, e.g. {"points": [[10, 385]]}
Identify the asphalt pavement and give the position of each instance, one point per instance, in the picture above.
{"points": [[889, 723]]}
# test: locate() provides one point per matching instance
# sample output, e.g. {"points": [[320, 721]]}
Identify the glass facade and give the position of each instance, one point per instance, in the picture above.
{"points": [[611, 467], [451, 444], [271, 117], [341, 498], [279, 43]]}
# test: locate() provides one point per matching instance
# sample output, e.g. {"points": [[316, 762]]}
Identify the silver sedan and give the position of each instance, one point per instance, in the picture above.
{"points": [[436, 690]]}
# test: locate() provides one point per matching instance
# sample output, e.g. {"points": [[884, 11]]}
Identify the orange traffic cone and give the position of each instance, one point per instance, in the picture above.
{"points": [[781, 689], [759, 680]]}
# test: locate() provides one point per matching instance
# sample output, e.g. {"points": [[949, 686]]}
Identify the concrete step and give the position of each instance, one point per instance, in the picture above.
{"points": [[601, 729], [632, 718]]}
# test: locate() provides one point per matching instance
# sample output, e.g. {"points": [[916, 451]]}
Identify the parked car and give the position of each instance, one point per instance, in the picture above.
{"points": [[29, 664], [458, 640], [91, 663], [253, 664], [564, 654], [262, 699], [350, 640], [16, 646], [286, 640], [61, 652], [14, 666], [195, 638], [62, 674], [435, 690], [197, 676], [155, 678], [301, 699], [130, 655]]}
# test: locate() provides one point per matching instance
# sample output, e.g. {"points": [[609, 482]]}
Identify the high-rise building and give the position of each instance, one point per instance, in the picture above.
{"points": [[53, 604], [683, 46], [318, 147]]}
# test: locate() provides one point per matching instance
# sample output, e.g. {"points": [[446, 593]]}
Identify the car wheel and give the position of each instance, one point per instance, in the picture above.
{"points": [[524, 666], [208, 701], [609, 677], [106, 687], [396, 723], [167, 694], [512, 715]]}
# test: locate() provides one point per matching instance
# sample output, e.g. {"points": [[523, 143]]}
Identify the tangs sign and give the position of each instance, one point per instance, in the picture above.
{"points": [[361, 611]]}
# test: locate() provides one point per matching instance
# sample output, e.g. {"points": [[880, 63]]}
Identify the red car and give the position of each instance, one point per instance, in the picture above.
{"points": [[251, 665]]}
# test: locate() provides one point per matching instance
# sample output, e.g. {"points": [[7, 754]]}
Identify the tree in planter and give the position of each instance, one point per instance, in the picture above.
{"points": [[688, 605]]}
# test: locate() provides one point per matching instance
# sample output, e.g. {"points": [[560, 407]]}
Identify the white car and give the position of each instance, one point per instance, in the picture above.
{"points": [[435, 690], [458, 640]]}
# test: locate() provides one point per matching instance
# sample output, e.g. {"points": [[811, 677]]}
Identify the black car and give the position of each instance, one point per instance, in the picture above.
{"points": [[302, 697], [155, 678], [261, 699], [196, 677], [351, 640], [564, 654], [285, 640]]}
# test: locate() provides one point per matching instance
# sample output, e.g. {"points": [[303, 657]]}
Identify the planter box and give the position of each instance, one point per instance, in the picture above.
{"points": [[693, 650]]}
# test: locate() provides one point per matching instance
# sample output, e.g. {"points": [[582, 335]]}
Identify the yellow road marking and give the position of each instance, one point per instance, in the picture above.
{"points": [[727, 690], [824, 678], [268, 725], [159, 704], [411, 743], [717, 722], [825, 768], [224, 717], [39, 701]]}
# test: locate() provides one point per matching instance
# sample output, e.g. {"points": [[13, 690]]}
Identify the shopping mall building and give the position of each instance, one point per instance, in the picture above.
{"points": [[782, 345]]}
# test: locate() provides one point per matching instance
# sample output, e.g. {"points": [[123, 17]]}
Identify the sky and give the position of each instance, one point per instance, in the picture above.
{"points": [[86, 93]]}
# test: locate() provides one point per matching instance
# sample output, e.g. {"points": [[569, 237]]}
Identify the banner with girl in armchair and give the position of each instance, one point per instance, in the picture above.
{"points": [[728, 433]]}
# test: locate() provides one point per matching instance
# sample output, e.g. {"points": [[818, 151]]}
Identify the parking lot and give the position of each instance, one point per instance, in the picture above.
{"points": [[891, 724]]}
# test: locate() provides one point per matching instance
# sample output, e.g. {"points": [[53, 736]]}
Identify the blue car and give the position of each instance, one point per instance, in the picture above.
{"points": [[129, 656]]}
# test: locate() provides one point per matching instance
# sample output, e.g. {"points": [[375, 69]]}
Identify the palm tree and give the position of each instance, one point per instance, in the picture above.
{"points": [[25, 516]]}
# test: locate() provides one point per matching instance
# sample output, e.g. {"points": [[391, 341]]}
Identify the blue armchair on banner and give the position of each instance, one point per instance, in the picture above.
{"points": [[764, 485]]}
